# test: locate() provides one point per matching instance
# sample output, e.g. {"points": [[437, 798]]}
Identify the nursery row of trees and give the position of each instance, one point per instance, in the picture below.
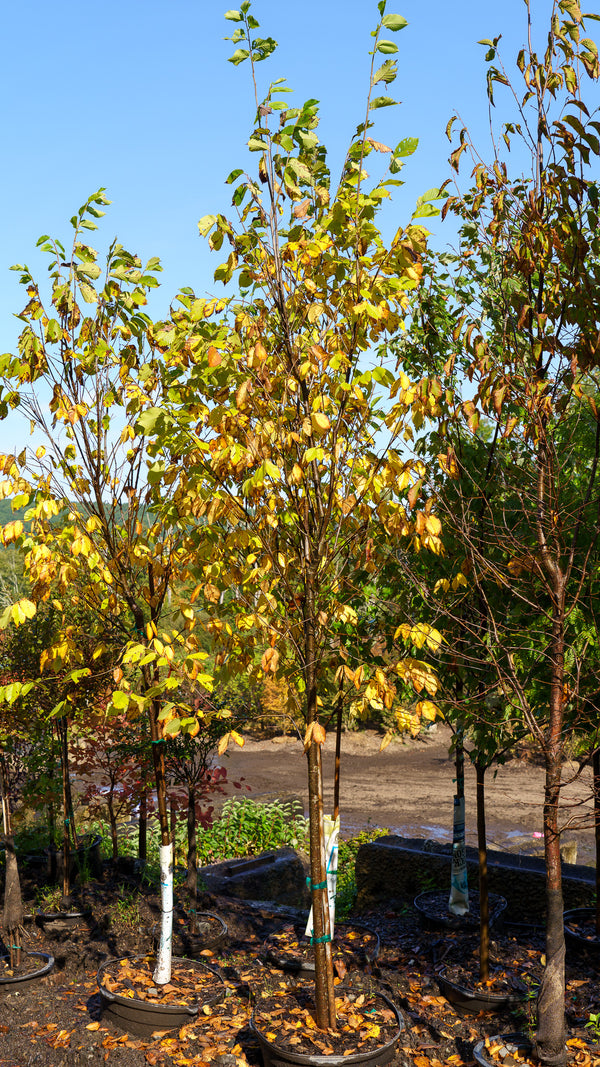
{"points": [[371, 473]]}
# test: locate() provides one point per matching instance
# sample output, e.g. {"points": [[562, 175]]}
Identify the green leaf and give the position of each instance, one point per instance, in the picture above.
{"points": [[383, 376], [88, 293], [232, 177], [206, 224], [406, 147], [234, 16], [91, 270], [238, 56], [394, 22], [382, 101], [149, 419], [314, 453], [431, 194], [120, 700], [387, 47], [256, 145], [386, 73], [425, 211]]}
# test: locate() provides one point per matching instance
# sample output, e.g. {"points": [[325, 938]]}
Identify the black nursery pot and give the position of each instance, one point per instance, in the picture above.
{"points": [[274, 1056], [87, 854], [211, 933], [577, 939], [61, 919], [14, 983], [512, 1043], [141, 1017], [473, 1001], [432, 907]]}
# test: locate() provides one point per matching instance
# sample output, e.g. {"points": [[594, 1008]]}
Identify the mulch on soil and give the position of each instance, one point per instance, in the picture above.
{"points": [[57, 1022], [285, 1015], [585, 928], [132, 977], [514, 967], [290, 949]]}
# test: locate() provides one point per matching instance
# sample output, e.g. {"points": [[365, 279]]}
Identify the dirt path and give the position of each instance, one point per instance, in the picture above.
{"points": [[409, 787]]}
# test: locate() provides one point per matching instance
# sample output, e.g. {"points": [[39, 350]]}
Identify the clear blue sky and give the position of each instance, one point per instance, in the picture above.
{"points": [[139, 97]]}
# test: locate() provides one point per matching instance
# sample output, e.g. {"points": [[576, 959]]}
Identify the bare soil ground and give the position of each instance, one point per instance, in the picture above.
{"points": [[408, 788]]}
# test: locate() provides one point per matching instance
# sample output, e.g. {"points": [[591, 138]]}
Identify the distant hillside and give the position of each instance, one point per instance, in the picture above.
{"points": [[7, 514]]}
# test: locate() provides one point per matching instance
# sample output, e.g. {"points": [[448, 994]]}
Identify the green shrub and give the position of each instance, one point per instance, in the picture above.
{"points": [[246, 828], [346, 878]]}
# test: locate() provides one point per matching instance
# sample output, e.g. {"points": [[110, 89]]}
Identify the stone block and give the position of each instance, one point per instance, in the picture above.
{"points": [[393, 870], [278, 875]]}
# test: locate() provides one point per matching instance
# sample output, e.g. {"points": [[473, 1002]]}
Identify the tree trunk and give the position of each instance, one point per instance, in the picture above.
{"points": [[51, 810], [13, 902], [596, 771], [113, 827], [550, 1035], [66, 850], [162, 972], [64, 738], [324, 991], [191, 881], [458, 902], [338, 756], [143, 824], [484, 900], [173, 821]]}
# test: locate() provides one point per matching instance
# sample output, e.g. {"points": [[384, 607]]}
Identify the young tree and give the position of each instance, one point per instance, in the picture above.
{"points": [[285, 418], [92, 541], [526, 330]]}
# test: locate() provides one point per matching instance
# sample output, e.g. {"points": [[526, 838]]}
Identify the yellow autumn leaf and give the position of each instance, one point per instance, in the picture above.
{"points": [[448, 464], [242, 392], [21, 611], [320, 423], [12, 531], [434, 639], [314, 732], [270, 661], [433, 525], [239, 740], [386, 739], [419, 675], [427, 710], [211, 593]]}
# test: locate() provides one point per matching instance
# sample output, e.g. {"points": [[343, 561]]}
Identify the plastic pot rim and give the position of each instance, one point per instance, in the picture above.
{"points": [[495, 1000], [148, 1006], [304, 1059], [33, 975], [497, 902], [517, 1040]]}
